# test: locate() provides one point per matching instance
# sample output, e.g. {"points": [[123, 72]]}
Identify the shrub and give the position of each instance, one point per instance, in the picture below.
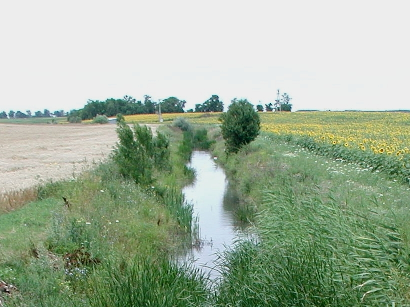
{"points": [[240, 125], [100, 119], [201, 140], [182, 123], [74, 119], [138, 152]]}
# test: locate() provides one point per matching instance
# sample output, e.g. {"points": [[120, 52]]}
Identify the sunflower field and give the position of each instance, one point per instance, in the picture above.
{"points": [[197, 117], [377, 140]]}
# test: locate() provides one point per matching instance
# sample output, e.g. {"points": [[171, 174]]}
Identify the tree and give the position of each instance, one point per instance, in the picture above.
{"points": [[28, 112], [240, 125], [283, 103], [286, 105], [149, 105], [12, 114], [59, 113], [172, 105], [74, 116], [269, 107], [93, 108], [20, 114], [213, 104], [3, 115], [46, 113], [38, 114], [259, 108]]}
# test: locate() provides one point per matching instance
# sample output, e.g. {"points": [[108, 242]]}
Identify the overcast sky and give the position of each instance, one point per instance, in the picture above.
{"points": [[325, 54]]}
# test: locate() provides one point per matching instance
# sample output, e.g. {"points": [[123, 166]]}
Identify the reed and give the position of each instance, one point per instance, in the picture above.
{"points": [[148, 281], [13, 200]]}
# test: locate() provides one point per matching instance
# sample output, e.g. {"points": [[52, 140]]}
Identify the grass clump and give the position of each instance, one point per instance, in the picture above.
{"points": [[149, 281]]}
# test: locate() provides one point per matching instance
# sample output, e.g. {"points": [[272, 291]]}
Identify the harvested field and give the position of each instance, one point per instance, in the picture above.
{"points": [[32, 154]]}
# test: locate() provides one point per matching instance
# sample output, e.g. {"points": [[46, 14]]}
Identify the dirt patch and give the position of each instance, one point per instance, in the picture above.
{"points": [[32, 154]]}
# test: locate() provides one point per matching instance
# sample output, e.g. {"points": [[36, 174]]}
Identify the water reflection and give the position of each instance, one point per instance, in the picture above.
{"points": [[214, 202]]}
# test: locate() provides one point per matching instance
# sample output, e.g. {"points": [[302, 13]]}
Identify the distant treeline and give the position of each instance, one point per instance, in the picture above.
{"points": [[129, 105], [28, 114]]}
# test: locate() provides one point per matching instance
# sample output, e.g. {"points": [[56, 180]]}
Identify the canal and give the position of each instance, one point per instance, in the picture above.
{"points": [[214, 202]]}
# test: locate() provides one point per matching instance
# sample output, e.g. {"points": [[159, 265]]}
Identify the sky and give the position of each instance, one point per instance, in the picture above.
{"points": [[326, 55]]}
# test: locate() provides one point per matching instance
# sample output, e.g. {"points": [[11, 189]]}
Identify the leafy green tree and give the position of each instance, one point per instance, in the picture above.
{"points": [[286, 105], [12, 114], [259, 108], [240, 125], [283, 104], [149, 105], [20, 114], [213, 104], [74, 116], [3, 115], [59, 113], [38, 114], [93, 108], [269, 107], [46, 113], [172, 105]]}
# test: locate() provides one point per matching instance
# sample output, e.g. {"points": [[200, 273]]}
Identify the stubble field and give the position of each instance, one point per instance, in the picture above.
{"points": [[32, 154]]}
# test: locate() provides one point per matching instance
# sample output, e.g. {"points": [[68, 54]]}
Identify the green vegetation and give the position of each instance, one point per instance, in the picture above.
{"points": [[100, 119], [34, 120], [240, 125], [138, 152], [327, 232], [213, 104], [149, 282], [127, 106], [57, 251]]}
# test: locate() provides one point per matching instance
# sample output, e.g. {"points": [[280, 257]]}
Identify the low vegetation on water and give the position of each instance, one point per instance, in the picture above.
{"points": [[329, 231]]}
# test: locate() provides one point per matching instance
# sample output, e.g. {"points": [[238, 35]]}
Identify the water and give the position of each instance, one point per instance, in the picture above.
{"points": [[214, 202]]}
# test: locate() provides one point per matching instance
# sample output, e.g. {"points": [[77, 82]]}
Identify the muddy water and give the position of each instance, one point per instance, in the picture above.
{"points": [[214, 202]]}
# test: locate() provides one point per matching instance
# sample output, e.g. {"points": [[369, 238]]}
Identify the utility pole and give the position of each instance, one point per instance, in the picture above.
{"points": [[278, 102], [159, 112]]}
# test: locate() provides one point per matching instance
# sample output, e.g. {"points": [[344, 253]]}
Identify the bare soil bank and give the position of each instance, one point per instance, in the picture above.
{"points": [[32, 154]]}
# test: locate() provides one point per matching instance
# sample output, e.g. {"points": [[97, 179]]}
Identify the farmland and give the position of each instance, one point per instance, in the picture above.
{"points": [[379, 140], [326, 192]]}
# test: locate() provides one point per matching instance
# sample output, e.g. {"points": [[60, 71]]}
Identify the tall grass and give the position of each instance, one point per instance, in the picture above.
{"points": [[13, 200], [329, 233], [175, 201], [148, 281], [109, 218]]}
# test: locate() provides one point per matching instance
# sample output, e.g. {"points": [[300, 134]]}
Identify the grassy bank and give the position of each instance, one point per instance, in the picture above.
{"points": [[330, 233], [84, 235]]}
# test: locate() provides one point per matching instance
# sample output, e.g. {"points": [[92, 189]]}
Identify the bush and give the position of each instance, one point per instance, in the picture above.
{"points": [[201, 140], [240, 125], [100, 119], [182, 123], [138, 152], [74, 119]]}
